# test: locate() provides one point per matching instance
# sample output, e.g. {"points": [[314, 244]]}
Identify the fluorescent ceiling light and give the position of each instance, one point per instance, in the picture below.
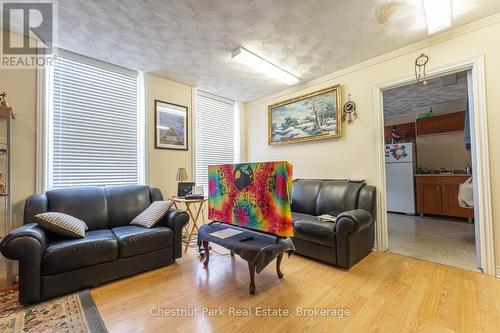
{"points": [[437, 14], [248, 58]]}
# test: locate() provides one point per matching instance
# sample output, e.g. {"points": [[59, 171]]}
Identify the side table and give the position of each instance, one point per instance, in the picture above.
{"points": [[194, 214]]}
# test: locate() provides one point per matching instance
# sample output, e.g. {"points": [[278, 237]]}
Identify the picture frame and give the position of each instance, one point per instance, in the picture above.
{"points": [[310, 117], [171, 126]]}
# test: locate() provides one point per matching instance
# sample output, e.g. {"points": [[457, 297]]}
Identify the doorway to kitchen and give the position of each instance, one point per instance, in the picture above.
{"points": [[428, 159], [483, 219]]}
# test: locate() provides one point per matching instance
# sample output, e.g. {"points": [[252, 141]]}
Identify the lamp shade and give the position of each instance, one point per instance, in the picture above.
{"points": [[182, 174]]}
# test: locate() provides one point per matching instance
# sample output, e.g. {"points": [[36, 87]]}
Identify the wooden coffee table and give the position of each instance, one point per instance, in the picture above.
{"points": [[258, 252]]}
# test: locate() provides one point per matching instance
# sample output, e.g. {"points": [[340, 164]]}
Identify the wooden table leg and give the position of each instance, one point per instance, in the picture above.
{"points": [[193, 227], [189, 238], [251, 287], [278, 266], [207, 252]]}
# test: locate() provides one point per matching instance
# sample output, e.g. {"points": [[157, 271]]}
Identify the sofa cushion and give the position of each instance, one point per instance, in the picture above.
{"points": [[134, 240], [304, 195], [97, 247], [337, 196], [87, 203], [309, 228], [62, 224], [153, 214], [126, 202]]}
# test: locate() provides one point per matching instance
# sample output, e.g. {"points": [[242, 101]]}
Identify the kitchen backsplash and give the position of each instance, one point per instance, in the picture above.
{"points": [[442, 151]]}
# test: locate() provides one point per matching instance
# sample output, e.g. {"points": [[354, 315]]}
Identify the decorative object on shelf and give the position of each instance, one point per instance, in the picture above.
{"points": [[395, 135], [425, 114], [420, 64], [171, 126], [3, 185], [350, 112], [314, 116], [3, 102]]}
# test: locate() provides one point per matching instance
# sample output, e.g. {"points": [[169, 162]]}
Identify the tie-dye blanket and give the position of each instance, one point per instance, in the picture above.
{"points": [[252, 195]]}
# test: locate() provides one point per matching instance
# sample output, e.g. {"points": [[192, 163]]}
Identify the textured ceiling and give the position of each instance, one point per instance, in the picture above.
{"points": [[189, 41], [416, 97]]}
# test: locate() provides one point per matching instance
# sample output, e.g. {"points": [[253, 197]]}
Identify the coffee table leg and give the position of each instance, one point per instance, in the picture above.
{"points": [[278, 266], [207, 252], [251, 269]]}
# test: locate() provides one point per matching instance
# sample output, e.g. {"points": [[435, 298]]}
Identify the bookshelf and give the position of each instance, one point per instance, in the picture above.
{"points": [[6, 117]]}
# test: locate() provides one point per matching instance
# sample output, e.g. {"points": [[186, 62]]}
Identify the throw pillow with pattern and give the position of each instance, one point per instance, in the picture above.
{"points": [[153, 214], [62, 224]]}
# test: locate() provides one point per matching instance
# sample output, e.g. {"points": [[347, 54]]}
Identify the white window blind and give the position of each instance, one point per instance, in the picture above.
{"points": [[94, 124], [216, 133]]}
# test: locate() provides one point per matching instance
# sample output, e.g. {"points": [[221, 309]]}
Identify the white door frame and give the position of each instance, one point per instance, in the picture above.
{"points": [[476, 65]]}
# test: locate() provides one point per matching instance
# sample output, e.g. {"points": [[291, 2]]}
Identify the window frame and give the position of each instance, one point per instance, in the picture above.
{"points": [[45, 131]]}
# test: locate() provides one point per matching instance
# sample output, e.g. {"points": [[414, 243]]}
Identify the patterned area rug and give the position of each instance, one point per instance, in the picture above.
{"points": [[72, 313]]}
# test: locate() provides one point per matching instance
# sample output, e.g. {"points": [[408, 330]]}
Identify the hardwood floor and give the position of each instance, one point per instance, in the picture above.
{"points": [[384, 293]]}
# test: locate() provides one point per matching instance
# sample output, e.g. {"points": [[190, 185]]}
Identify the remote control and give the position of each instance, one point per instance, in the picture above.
{"points": [[246, 239]]}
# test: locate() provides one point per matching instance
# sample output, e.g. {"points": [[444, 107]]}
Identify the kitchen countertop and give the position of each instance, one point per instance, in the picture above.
{"points": [[443, 175]]}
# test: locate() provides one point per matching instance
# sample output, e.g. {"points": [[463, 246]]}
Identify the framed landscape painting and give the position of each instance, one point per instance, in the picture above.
{"points": [[171, 131], [314, 116]]}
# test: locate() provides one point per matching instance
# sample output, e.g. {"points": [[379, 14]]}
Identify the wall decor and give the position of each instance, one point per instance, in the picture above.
{"points": [[3, 102], [171, 126], [350, 112], [420, 73], [314, 116]]}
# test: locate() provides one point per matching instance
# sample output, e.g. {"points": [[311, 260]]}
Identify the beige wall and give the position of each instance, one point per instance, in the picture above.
{"points": [[354, 155], [163, 163]]}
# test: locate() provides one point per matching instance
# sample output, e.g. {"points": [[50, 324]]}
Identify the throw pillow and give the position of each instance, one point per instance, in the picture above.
{"points": [[62, 224], [153, 214]]}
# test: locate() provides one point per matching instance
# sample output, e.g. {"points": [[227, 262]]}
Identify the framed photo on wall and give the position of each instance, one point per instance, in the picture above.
{"points": [[314, 116], [171, 126]]}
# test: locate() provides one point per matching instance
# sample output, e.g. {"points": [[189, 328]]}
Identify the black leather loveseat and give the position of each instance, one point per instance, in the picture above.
{"points": [[351, 237], [51, 266]]}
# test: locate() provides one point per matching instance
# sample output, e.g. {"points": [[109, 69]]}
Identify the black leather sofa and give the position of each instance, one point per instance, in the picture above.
{"points": [[345, 242], [50, 266]]}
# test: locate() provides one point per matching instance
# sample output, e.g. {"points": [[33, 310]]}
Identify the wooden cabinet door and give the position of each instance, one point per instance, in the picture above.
{"points": [[406, 130], [450, 201], [441, 124], [429, 198]]}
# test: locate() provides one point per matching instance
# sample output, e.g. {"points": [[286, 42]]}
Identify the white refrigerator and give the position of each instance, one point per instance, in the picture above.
{"points": [[400, 169]]}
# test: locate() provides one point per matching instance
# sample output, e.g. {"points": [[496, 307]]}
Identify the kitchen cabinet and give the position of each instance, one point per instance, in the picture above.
{"points": [[451, 122], [406, 130], [438, 195]]}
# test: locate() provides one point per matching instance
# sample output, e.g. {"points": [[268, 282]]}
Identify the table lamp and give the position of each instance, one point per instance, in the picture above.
{"points": [[181, 174]]}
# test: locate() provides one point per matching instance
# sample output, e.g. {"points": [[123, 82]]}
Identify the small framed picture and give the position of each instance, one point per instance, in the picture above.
{"points": [[171, 126]]}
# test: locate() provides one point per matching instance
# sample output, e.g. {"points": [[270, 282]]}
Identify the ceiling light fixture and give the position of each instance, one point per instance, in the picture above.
{"points": [[248, 58], [437, 14]]}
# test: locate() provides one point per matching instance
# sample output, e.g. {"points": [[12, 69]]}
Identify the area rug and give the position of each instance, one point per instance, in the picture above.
{"points": [[71, 313]]}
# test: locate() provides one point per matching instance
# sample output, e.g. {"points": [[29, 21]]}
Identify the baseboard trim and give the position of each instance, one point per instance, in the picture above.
{"points": [[497, 272]]}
